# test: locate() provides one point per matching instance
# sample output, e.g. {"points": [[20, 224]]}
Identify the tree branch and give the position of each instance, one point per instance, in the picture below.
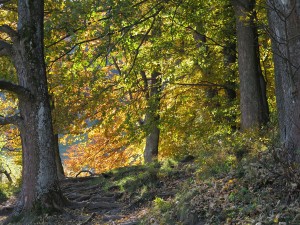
{"points": [[5, 48], [15, 119], [7, 174], [9, 31], [142, 42], [17, 89], [4, 1], [202, 84], [204, 36], [75, 31], [146, 86], [123, 29]]}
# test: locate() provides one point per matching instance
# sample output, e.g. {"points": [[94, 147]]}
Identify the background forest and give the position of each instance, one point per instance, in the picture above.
{"points": [[101, 62], [136, 82]]}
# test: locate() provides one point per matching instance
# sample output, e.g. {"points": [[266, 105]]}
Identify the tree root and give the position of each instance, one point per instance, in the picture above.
{"points": [[89, 219]]}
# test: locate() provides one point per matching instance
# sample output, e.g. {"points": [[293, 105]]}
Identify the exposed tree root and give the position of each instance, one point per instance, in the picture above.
{"points": [[6, 210], [89, 219]]}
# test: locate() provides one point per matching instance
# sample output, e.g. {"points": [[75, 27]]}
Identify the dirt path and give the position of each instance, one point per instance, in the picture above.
{"points": [[99, 206], [95, 206], [122, 197]]}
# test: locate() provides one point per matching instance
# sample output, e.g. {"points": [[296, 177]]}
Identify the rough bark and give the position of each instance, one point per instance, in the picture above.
{"points": [[152, 118], [253, 100], [284, 22], [40, 188]]}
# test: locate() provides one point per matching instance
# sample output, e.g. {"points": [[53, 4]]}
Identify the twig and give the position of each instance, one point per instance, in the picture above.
{"points": [[85, 171]]}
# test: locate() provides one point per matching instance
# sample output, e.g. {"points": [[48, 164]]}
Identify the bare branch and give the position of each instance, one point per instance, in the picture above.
{"points": [[116, 65], [17, 89], [9, 31], [5, 48], [15, 119]]}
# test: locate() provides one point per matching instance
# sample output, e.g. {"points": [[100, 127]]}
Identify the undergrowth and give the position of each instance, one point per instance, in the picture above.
{"points": [[7, 190], [241, 179]]}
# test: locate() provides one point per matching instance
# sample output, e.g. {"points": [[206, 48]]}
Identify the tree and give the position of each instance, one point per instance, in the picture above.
{"points": [[284, 22], [58, 161], [40, 186], [253, 100], [152, 119]]}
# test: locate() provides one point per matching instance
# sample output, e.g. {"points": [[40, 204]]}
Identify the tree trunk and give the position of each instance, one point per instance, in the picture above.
{"points": [[59, 166], [40, 187], [229, 53], [152, 119], [284, 22], [7, 174], [253, 100]]}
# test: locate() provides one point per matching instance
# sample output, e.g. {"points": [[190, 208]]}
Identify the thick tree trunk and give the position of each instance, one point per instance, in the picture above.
{"points": [[152, 119], [284, 22], [40, 186], [58, 161], [254, 107]]}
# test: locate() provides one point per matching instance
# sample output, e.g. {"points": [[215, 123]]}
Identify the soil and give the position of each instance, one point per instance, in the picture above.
{"points": [[98, 204]]}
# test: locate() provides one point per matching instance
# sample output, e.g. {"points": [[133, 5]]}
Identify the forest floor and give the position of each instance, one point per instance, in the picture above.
{"points": [[122, 196], [258, 192]]}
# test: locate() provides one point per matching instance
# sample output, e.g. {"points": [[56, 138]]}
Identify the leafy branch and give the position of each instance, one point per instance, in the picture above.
{"points": [[123, 29]]}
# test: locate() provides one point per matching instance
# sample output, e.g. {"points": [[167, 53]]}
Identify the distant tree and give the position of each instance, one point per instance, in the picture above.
{"points": [[58, 161], [284, 22], [25, 48], [152, 119], [253, 100]]}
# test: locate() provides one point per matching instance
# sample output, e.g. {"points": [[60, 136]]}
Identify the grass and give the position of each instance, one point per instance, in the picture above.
{"points": [[7, 190]]}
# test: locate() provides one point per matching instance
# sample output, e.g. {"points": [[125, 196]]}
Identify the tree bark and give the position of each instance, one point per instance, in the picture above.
{"points": [[152, 119], [253, 100], [40, 187], [284, 22]]}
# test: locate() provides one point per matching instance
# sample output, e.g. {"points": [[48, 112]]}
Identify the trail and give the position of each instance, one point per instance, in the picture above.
{"points": [[99, 206], [92, 205], [100, 200]]}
